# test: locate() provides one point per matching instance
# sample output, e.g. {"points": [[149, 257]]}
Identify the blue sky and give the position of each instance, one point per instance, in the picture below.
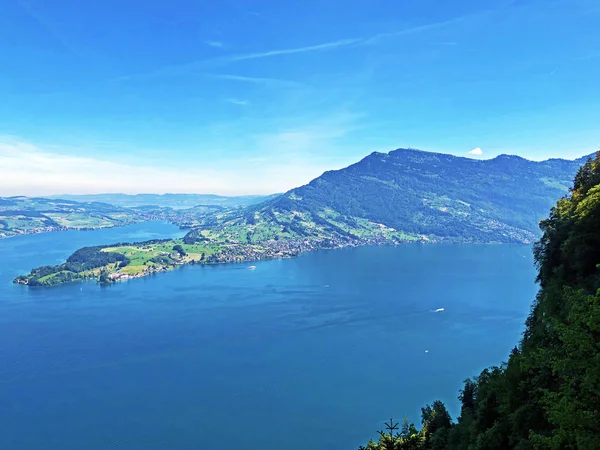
{"points": [[243, 97]]}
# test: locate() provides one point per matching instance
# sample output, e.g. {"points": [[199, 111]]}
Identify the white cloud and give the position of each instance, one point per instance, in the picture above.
{"points": [[26, 169], [289, 51], [324, 46], [235, 101], [354, 41], [255, 80], [232, 158], [476, 151], [216, 44]]}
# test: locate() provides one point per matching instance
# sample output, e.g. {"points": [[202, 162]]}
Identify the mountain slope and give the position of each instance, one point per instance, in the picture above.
{"points": [[411, 194], [547, 394]]}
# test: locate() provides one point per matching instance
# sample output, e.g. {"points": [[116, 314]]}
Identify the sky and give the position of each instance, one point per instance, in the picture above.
{"points": [[249, 97]]}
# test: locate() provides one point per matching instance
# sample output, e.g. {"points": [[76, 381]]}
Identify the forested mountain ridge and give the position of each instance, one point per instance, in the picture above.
{"points": [[402, 196], [547, 396], [413, 195]]}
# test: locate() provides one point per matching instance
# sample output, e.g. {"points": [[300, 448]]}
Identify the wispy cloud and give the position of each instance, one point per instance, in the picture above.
{"points": [[358, 40], [290, 51], [347, 42], [216, 44], [320, 47], [45, 23], [235, 101], [29, 170], [254, 80], [588, 56], [275, 160]]}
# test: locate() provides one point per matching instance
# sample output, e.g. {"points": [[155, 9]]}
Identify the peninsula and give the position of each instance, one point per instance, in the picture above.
{"points": [[402, 196], [119, 262]]}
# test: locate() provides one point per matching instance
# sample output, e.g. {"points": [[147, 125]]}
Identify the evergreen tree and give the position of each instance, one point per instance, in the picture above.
{"points": [[547, 395]]}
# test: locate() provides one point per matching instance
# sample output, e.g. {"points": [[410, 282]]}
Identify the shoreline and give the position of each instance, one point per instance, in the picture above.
{"points": [[225, 253], [162, 257], [63, 228]]}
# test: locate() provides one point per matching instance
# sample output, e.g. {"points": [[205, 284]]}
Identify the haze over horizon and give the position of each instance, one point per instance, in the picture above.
{"points": [[472, 155], [234, 99]]}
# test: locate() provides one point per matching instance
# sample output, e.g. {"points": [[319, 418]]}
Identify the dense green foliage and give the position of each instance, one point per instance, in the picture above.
{"points": [[77, 267], [88, 258], [502, 199], [122, 261], [179, 249], [162, 259], [547, 396], [416, 195]]}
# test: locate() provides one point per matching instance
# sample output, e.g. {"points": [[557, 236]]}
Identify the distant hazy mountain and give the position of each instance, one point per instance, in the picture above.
{"points": [[23, 215], [416, 195], [176, 201]]}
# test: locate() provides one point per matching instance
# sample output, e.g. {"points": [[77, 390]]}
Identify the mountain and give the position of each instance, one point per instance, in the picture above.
{"points": [[547, 394], [175, 201], [411, 194]]}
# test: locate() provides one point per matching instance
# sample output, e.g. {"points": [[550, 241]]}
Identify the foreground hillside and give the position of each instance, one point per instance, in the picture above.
{"points": [[413, 195], [547, 396]]}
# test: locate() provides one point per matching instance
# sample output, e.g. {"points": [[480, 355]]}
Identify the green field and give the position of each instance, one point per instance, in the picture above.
{"points": [[141, 256], [112, 263]]}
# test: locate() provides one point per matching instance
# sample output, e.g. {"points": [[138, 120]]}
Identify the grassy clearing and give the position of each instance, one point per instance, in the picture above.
{"points": [[144, 257], [80, 220]]}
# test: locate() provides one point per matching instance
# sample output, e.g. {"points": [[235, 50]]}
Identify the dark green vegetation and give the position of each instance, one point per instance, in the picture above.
{"points": [[79, 266], [547, 396], [406, 195], [403, 196], [107, 263], [415, 195], [124, 261]]}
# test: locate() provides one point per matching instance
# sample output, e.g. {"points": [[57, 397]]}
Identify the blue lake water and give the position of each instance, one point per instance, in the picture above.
{"points": [[306, 353]]}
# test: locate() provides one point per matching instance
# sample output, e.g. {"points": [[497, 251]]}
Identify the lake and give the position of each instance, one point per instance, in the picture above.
{"points": [[307, 353]]}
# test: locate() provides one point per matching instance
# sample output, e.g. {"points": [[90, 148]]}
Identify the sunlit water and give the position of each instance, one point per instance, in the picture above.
{"points": [[306, 353]]}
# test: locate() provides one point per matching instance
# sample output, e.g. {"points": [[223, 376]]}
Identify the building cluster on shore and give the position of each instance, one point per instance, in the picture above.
{"points": [[287, 248], [226, 252], [37, 230]]}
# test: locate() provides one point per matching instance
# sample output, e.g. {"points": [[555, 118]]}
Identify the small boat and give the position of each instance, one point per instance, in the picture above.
{"points": [[252, 267]]}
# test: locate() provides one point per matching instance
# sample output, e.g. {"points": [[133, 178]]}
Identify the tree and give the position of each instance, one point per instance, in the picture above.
{"points": [[547, 395], [390, 439], [179, 249], [435, 417], [103, 277]]}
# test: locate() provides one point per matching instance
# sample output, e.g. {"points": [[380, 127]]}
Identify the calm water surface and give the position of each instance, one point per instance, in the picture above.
{"points": [[308, 353]]}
